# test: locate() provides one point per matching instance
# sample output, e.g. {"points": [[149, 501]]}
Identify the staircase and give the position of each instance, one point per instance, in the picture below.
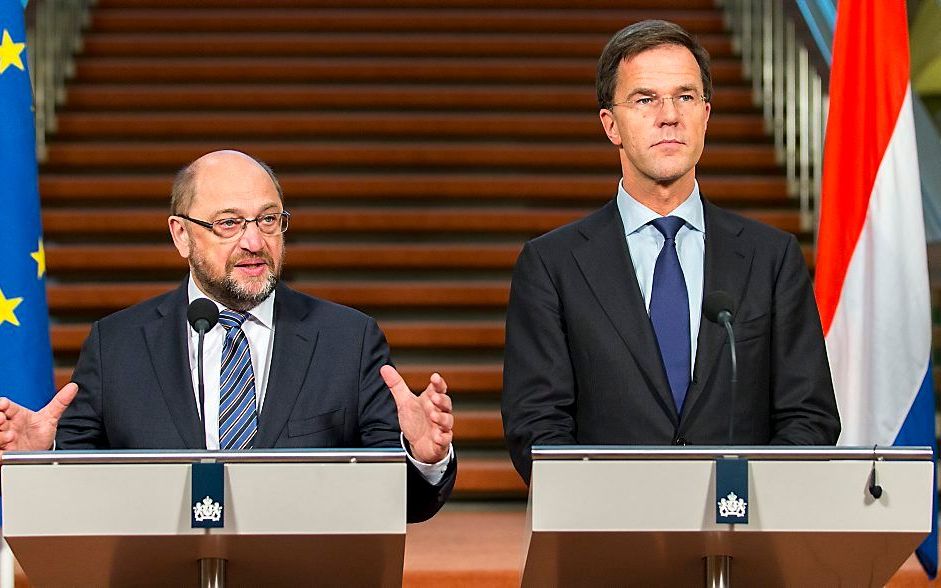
{"points": [[418, 147]]}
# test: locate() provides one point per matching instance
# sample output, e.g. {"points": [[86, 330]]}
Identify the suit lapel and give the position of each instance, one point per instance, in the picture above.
{"points": [[295, 339], [167, 344], [727, 263], [607, 267]]}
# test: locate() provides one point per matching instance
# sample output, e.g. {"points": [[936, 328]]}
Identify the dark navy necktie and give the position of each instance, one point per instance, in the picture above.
{"points": [[669, 310], [238, 412]]}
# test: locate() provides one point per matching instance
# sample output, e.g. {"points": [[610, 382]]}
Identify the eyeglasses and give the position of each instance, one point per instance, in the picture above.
{"points": [[650, 104], [273, 223]]}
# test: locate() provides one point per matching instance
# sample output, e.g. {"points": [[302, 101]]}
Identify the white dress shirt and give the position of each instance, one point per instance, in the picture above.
{"points": [[644, 243], [259, 331]]}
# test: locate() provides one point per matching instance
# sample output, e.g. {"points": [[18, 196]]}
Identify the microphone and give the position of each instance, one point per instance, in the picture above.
{"points": [[719, 308], [202, 314], [875, 490]]}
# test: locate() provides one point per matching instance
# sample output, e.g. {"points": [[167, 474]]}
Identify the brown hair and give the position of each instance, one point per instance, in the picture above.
{"points": [[184, 186], [640, 37]]}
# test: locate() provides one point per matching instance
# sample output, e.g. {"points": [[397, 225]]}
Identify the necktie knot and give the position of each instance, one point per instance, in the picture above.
{"points": [[668, 226], [231, 319]]}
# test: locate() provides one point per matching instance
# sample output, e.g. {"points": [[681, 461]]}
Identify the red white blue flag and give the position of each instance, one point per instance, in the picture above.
{"points": [[872, 271]]}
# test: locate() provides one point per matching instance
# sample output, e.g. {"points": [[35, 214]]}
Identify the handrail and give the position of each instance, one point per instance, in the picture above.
{"points": [[785, 53], [54, 33], [786, 48]]}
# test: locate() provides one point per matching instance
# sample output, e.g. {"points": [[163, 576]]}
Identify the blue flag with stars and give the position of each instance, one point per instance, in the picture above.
{"points": [[25, 353]]}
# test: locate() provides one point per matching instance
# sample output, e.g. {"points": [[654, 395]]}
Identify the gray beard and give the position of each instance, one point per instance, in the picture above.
{"points": [[227, 291]]}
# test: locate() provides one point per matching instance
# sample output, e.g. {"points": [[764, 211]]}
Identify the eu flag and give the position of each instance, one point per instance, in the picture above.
{"points": [[25, 354]]}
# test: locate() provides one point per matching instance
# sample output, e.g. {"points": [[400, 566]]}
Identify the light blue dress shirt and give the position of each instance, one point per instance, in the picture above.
{"points": [[644, 243]]}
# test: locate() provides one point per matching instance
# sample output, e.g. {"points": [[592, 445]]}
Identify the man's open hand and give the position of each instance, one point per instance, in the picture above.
{"points": [[425, 420], [22, 429]]}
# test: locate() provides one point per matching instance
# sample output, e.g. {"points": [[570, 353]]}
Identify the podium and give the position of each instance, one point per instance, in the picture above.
{"points": [[646, 516], [123, 518]]}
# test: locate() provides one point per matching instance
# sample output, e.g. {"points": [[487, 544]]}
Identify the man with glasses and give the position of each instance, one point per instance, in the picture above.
{"points": [[606, 342], [281, 369]]}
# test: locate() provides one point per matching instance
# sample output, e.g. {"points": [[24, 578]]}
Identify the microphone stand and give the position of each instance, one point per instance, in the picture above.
{"points": [[199, 372], [725, 317]]}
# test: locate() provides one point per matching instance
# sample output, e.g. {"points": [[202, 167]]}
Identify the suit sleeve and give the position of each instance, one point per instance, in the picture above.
{"points": [[803, 408], [81, 426], [538, 401], [379, 427]]}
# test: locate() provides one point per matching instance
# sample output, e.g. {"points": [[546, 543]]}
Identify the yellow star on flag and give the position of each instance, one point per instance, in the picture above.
{"points": [[10, 52], [7, 305], [40, 257]]}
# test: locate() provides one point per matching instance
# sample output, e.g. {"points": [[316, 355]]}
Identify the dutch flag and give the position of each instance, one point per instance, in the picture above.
{"points": [[872, 271]]}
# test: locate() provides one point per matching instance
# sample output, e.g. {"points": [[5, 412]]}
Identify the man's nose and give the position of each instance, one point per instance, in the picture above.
{"points": [[252, 239], [669, 113]]}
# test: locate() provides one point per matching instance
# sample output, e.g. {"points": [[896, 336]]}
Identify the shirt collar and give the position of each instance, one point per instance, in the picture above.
{"points": [[636, 216], [262, 314]]}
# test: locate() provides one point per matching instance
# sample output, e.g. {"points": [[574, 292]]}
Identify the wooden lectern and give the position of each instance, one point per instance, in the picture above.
{"points": [[292, 518], [646, 516]]}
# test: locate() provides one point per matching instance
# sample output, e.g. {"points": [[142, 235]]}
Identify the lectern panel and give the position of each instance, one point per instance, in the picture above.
{"points": [[325, 518], [647, 516], [155, 499]]}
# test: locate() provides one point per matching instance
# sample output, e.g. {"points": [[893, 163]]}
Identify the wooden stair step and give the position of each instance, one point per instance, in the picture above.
{"points": [[386, 256], [149, 258], [400, 20], [464, 380], [284, 155], [480, 426], [279, 96], [453, 256], [325, 70], [435, 186], [464, 334], [369, 125], [488, 476], [106, 297], [306, 44], [90, 223]]}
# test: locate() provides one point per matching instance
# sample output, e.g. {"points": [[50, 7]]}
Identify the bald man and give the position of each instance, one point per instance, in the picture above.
{"points": [[281, 369]]}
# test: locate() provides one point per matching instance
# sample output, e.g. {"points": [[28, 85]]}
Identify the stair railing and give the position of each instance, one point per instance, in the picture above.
{"points": [[54, 31], [785, 49]]}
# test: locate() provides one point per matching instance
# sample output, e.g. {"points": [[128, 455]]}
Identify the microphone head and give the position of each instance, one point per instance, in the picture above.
{"points": [[715, 303], [202, 314]]}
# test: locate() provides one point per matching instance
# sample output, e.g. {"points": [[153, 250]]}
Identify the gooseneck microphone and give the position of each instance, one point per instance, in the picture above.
{"points": [[719, 308], [875, 490], [202, 314]]}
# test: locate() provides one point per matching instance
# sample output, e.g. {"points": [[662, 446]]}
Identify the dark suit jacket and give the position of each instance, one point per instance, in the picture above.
{"points": [[582, 365], [324, 387]]}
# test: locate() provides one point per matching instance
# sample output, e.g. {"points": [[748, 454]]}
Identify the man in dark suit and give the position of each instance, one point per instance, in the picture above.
{"points": [[282, 369], [605, 340]]}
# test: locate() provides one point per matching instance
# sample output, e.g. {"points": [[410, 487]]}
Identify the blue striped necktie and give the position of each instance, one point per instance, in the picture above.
{"points": [[669, 310], [238, 412]]}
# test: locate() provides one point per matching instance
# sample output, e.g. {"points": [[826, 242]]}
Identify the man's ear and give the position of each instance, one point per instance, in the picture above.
{"points": [[610, 126], [181, 237]]}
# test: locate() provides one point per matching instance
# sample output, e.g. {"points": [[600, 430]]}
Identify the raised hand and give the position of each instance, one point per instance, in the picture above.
{"points": [[22, 429], [426, 420]]}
